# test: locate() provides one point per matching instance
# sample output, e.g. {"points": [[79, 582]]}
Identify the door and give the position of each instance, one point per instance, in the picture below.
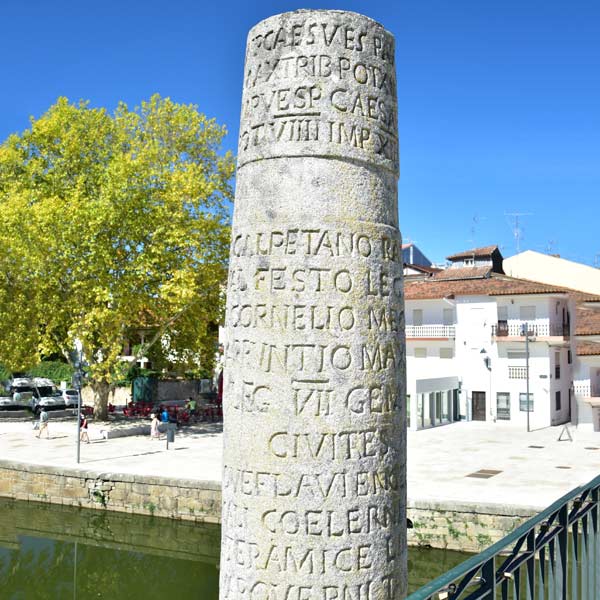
{"points": [[455, 406], [478, 406]]}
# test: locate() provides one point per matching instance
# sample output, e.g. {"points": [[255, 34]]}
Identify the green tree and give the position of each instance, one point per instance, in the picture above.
{"points": [[112, 222]]}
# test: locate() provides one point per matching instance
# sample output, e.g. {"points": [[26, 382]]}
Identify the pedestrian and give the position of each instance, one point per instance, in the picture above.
{"points": [[154, 432], [83, 426], [43, 423], [191, 406], [164, 415]]}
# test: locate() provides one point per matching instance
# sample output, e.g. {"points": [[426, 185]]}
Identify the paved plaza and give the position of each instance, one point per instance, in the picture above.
{"points": [[531, 469]]}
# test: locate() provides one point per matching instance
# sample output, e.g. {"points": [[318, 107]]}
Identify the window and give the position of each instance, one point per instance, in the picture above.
{"points": [[516, 355], [469, 262], [557, 398], [446, 353], [557, 365], [527, 313], [448, 316], [420, 352], [523, 402], [417, 317], [503, 406], [503, 313], [569, 357]]}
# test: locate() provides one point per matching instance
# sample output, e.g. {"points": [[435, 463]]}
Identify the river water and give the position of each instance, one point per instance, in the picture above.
{"points": [[50, 552]]}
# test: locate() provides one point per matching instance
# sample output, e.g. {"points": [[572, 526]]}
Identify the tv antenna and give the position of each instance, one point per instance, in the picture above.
{"points": [[516, 229], [475, 221]]}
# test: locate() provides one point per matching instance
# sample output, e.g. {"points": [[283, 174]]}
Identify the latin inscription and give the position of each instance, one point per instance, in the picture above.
{"points": [[240, 588], [292, 359], [325, 243], [318, 82], [319, 486], [312, 481]]}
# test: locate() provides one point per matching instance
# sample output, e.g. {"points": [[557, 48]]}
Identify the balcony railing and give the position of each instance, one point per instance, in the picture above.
{"points": [[517, 372], [517, 329], [553, 555], [430, 331], [586, 390]]}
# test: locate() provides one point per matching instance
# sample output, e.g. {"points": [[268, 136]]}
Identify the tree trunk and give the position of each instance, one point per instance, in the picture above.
{"points": [[101, 392]]}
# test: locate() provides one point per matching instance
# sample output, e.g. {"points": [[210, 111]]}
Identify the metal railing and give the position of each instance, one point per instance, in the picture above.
{"points": [[517, 329], [430, 331], [554, 555]]}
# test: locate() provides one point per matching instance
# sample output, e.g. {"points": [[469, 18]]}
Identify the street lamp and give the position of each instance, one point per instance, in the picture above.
{"points": [[487, 361], [527, 340]]}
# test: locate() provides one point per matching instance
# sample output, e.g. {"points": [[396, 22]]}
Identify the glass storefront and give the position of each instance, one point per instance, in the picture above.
{"points": [[437, 408]]}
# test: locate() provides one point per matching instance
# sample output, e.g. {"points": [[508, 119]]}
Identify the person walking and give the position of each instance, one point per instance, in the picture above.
{"points": [[43, 424], [164, 415], [191, 406], [154, 432], [83, 426]]}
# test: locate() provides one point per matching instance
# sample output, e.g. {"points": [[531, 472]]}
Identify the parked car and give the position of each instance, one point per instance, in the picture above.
{"points": [[71, 398]]}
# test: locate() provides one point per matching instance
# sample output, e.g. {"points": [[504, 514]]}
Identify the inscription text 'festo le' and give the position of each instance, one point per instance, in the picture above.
{"points": [[314, 500]]}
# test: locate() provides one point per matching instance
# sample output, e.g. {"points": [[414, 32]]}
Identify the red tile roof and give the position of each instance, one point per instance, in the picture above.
{"points": [[587, 320], [494, 285], [463, 273], [588, 349], [480, 252]]}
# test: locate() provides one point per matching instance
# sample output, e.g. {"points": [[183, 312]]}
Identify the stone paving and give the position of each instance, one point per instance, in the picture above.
{"points": [[534, 468]]}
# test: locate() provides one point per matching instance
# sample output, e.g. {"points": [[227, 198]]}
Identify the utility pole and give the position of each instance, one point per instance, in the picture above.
{"points": [[527, 372], [77, 380]]}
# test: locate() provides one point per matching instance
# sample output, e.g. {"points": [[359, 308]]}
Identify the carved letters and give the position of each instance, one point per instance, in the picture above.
{"points": [[313, 486], [344, 95]]}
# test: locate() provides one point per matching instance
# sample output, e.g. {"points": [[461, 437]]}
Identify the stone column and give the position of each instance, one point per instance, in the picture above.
{"points": [[314, 442]]}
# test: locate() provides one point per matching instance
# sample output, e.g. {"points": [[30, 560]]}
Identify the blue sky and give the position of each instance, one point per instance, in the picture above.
{"points": [[499, 102]]}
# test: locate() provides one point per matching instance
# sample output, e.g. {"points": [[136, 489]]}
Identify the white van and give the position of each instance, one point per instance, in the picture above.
{"points": [[46, 394]]}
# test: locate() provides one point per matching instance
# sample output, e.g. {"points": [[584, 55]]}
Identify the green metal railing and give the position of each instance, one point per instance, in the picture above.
{"points": [[553, 556]]}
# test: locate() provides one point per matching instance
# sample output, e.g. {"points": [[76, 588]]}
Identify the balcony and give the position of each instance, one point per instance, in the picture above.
{"points": [[517, 372], [432, 332], [515, 330], [589, 393]]}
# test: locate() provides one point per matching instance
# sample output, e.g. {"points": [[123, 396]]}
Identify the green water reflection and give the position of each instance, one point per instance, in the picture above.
{"points": [[60, 553]]}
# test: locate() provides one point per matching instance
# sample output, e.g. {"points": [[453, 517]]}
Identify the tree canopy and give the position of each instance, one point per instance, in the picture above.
{"points": [[112, 223]]}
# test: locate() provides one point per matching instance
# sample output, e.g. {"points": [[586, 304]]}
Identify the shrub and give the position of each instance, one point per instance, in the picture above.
{"points": [[55, 370]]}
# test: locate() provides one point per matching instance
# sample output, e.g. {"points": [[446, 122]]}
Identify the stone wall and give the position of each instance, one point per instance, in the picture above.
{"points": [[455, 526], [459, 526], [176, 389], [119, 396], [158, 496]]}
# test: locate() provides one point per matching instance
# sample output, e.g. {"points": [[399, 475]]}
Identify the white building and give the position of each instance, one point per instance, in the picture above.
{"points": [[467, 351], [554, 270]]}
